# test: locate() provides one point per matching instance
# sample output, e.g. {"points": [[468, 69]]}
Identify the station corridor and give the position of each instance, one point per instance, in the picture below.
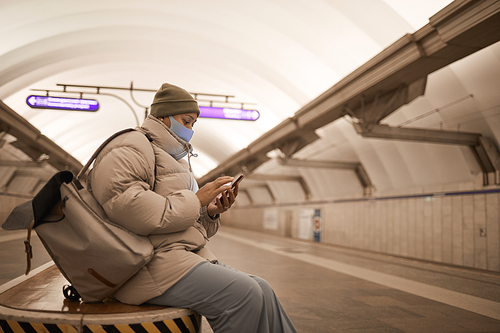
{"points": [[331, 289]]}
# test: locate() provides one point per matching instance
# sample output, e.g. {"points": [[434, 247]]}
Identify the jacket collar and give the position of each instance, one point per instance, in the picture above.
{"points": [[164, 138]]}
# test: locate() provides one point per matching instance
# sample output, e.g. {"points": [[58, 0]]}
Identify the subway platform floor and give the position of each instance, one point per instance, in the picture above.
{"points": [[331, 289]]}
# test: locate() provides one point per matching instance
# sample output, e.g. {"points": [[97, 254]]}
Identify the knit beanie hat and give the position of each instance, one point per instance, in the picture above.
{"points": [[171, 100]]}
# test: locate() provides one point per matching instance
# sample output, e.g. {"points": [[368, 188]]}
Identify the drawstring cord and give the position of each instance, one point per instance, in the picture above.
{"points": [[190, 153], [194, 185]]}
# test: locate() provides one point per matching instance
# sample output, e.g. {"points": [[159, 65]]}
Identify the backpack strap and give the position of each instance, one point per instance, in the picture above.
{"points": [[28, 249], [94, 156], [151, 141], [101, 147]]}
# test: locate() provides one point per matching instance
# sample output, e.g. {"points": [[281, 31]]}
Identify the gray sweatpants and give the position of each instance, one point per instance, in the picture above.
{"points": [[232, 301]]}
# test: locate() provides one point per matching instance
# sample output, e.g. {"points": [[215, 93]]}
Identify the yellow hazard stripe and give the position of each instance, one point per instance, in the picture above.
{"points": [[150, 328], [8, 326], [172, 326], [187, 324], [124, 328]]}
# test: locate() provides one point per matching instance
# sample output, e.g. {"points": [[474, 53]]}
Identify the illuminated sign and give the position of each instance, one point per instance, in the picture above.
{"points": [[62, 103], [228, 113]]}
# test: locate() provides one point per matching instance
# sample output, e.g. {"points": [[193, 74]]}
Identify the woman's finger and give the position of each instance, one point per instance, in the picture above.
{"points": [[231, 198], [224, 200], [222, 180], [220, 205], [222, 189]]}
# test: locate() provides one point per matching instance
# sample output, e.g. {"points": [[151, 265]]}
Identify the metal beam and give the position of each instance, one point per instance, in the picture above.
{"points": [[488, 156], [355, 166], [32, 142], [295, 162], [7, 178], [280, 178], [288, 138], [271, 194], [262, 186], [417, 134], [247, 193], [21, 164], [460, 29], [371, 110], [284, 178], [484, 149], [488, 152], [365, 181]]}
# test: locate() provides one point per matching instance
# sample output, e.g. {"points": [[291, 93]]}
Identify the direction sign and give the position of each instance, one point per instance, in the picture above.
{"points": [[228, 113], [62, 103]]}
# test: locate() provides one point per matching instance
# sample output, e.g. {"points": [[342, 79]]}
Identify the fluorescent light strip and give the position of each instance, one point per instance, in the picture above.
{"points": [[228, 113]]}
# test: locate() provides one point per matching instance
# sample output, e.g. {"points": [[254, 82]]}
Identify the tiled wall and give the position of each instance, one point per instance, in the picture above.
{"points": [[459, 229]]}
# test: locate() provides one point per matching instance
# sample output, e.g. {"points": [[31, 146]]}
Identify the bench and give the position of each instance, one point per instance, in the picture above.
{"points": [[35, 303]]}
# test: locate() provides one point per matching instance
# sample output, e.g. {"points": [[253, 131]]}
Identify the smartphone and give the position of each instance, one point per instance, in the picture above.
{"points": [[237, 180]]}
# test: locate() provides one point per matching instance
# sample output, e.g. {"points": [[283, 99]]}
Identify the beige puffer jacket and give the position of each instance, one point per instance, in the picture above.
{"points": [[167, 211]]}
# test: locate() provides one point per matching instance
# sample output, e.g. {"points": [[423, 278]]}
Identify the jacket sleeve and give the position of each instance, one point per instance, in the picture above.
{"points": [[120, 182], [210, 225]]}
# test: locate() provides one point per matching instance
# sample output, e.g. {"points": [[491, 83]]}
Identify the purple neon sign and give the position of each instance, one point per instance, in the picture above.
{"points": [[62, 103], [228, 113]]}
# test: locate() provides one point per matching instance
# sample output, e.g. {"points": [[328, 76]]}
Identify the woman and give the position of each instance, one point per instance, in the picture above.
{"points": [[145, 185]]}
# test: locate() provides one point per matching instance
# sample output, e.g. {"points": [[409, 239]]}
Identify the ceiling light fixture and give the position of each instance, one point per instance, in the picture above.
{"points": [[219, 106], [228, 113]]}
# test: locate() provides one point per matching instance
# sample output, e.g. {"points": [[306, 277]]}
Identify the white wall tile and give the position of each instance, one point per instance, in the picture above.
{"points": [[390, 226], [411, 228], [404, 230], [468, 230], [447, 239], [428, 228], [457, 228], [397, 226], [493, 230], [437, 229], [480, 223]]}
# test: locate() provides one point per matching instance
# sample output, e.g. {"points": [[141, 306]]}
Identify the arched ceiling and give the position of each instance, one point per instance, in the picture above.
{"points": [[277, 54]]}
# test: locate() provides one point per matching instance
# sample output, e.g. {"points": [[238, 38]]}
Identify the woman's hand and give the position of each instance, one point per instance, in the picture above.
{"points": [[210, 191], [222, 204]]}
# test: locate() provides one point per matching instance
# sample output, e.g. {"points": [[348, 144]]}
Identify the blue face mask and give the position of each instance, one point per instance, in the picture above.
{"points": [[181, 131]]}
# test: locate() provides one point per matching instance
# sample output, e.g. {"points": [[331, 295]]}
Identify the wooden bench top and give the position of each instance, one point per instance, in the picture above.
{"points": [[43, 292], [35, 303]]}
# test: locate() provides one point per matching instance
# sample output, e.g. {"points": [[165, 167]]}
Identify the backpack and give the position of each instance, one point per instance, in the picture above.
{"points": [[94, 254]]}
